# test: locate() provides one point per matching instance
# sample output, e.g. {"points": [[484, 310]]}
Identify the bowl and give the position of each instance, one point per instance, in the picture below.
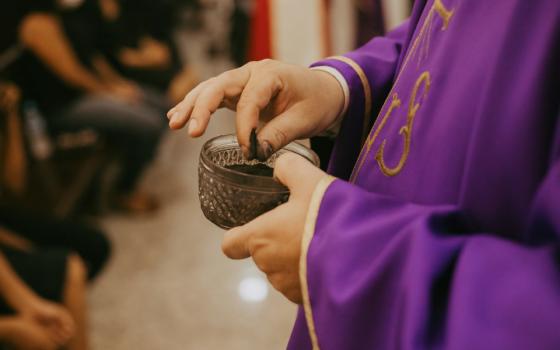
{"points": [[230, 198]]}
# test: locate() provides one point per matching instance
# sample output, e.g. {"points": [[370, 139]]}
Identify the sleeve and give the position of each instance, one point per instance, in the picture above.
{"points": [[369, 73], [378, 273]]}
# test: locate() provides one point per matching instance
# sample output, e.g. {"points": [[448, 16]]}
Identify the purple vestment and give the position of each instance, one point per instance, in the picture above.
{"points": [[444, 231]]}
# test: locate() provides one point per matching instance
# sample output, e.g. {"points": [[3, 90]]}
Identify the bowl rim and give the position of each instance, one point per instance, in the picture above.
{"points": [[258, 182]]}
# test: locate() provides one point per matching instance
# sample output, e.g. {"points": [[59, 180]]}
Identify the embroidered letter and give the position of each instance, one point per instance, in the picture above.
{"points": [[418, 52], [423, 82], [444, 13]]}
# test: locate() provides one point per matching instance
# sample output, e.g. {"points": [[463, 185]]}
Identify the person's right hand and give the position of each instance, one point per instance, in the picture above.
{"points": [[295, 102], [50, 315]]}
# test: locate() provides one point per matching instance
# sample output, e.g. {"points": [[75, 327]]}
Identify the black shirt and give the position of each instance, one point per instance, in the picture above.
{"points": [[37, 81], [12, 12]]}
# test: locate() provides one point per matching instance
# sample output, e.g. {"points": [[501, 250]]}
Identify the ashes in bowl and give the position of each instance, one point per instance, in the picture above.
{"points": [[233, 190]]}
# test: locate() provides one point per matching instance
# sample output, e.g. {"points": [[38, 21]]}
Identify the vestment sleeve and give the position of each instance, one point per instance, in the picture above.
{"points": [[369, 73], [379, 273]]}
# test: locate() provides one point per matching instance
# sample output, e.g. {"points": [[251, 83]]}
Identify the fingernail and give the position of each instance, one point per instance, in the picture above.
{"points": [[173, 117], [264, 151], [253, 145], [170, 113], [193, 126]]}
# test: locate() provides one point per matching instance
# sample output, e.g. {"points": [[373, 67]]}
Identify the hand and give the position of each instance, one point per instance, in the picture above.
{"points": [[150, 54], [295, 102], [273, 239], [126, 91], [49, 315], [22, 333], [9, 97]]}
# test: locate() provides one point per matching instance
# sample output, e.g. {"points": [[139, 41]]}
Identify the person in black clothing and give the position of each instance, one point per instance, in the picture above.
{"points": [[76, 89], [41, 317], [44, 232], [44, 263], [138, 41]]}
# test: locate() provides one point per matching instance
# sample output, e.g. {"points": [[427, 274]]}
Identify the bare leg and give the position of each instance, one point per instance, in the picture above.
{"points": [[75, 301]]}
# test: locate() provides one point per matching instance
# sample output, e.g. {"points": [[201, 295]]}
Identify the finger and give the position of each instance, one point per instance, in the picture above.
{"points": [[69, 325], [206, 104], [180, 114], [191, 96], [260, 89], [236, 242], [60, 335], [277, 133], [296, 172], [64, 320], [244, 241], [205, 99]]}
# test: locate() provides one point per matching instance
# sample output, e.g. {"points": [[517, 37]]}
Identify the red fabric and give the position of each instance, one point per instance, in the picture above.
{"points": [[260, 43], [326, 28]]}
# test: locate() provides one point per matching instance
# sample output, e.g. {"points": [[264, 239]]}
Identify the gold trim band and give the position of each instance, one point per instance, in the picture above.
{"points": [[367, 91], [308, 232]]}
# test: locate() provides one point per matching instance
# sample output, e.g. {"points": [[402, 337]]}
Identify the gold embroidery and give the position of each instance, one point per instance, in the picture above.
{"points": [[367, 91], [422, 40], [425, 36], [406, 130], [308, 232], [395, 103], [444, 13]]}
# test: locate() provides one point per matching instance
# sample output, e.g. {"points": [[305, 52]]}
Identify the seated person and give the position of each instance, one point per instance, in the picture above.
{"points": [[42, 300], [75, 94], [14, 174], [36, 230], [138, 40], [32, 231]]}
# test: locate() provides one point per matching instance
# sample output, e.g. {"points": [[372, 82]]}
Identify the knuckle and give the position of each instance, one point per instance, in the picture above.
{"points": [[264, 64], [212, 85], [267, 62], [210, 81], [245, 103], [226, 76], [205, 85], [280, 137], [254, 246], [251, 64]]}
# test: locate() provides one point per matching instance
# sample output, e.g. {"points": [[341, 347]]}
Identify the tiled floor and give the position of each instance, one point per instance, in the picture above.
{"points": [[168, 286]]}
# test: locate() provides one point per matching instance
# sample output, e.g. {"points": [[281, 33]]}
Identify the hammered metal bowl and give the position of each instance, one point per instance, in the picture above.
{"points": [[230, 198]]}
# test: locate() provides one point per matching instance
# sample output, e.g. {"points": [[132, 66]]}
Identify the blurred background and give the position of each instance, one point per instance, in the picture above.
{"points": [[99, 211]]}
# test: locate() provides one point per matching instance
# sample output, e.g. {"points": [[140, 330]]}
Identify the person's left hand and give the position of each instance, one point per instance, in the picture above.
{"points": [[273, 239], [50, 315]]}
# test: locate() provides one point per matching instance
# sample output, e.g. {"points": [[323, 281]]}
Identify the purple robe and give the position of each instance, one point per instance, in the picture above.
{"points": [[444, 231]]}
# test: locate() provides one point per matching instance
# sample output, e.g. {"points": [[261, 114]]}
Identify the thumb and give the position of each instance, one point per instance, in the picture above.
{"points": [[236, 242], [297, 173]]}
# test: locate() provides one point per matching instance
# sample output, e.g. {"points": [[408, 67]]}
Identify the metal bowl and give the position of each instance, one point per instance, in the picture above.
{"points": [[230, 198]]}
